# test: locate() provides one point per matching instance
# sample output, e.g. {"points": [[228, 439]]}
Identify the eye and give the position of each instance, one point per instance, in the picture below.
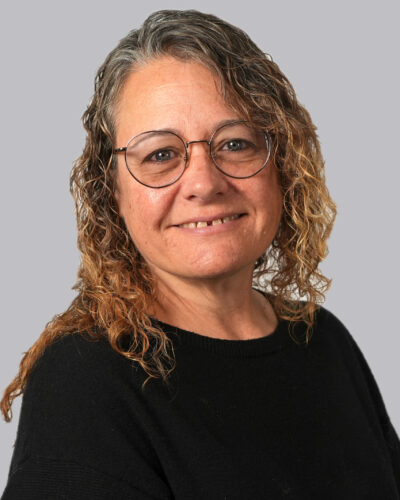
{"points": [[161, 156], [235, 145]]}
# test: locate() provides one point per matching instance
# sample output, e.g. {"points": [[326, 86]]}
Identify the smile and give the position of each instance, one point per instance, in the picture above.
{"points": [[214, 222]]}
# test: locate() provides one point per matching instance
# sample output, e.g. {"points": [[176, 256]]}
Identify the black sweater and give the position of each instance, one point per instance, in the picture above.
{"points": [[243, 419]]}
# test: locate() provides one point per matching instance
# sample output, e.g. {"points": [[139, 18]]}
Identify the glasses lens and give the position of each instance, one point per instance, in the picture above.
{"points": [[156, 159], [239, 150]]}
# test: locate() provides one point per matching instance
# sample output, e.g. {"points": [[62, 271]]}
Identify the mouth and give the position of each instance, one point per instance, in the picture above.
{"points": [[212, 222]]}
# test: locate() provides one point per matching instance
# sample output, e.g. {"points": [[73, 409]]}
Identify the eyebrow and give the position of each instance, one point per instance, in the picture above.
{"points": [[215, 127]]}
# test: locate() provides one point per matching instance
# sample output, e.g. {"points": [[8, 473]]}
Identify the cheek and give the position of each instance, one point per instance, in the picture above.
{"points": [[275, 209], [269, 195], [276, 189], [143, 209]]}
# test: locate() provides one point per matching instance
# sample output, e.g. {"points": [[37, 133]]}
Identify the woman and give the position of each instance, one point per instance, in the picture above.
{"points": [[186, 367]]}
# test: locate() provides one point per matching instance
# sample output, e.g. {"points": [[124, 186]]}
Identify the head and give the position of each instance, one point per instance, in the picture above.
{"points": [[250, 87], [115, 283]]}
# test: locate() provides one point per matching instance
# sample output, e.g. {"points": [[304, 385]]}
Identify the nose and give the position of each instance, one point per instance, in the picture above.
{"points": [[202, 179]]}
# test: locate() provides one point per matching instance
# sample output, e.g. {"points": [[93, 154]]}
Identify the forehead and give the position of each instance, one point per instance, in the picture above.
{"points": [[169, 93]]}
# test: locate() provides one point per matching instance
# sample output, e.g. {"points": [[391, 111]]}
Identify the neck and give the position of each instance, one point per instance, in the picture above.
{"points": [[226, 307]]}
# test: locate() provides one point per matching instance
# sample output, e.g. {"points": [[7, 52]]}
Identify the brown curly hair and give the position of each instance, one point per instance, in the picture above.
{"points": [[114, 285]]}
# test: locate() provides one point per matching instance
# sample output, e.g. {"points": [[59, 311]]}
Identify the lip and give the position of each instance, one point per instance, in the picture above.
{"points": [[211, 230], [210, 218]]}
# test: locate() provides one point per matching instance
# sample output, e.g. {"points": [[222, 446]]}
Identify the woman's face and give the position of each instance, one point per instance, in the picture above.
{"points": [[184, 96]]}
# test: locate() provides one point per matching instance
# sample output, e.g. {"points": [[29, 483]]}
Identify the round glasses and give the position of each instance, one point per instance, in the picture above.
{"points": [[158, 158]]}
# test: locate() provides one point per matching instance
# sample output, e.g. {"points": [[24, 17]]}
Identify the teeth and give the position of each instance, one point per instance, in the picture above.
{"points": [[231, 217], [192, 225]]}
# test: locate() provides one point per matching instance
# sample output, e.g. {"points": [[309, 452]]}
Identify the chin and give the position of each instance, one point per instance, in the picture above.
{"points": [[213, 270]]}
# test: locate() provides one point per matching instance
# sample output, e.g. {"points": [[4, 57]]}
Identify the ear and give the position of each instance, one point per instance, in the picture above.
{"points": [[116, 186]]}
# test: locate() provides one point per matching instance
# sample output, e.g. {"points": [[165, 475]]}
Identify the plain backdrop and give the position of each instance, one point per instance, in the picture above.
{"points": [[342, 58]]}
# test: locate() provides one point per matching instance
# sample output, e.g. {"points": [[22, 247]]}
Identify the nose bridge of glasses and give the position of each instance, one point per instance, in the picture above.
{"points": [[197, 142]]}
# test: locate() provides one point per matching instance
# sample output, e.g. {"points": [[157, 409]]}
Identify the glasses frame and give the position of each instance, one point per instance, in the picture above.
{"points": [[186, 157]]}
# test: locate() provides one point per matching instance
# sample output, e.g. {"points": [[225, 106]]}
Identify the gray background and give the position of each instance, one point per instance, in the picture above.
{"points": [[342, 58]]}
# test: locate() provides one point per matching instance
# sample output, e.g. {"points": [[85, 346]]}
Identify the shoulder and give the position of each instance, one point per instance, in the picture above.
{"points": [[76, 348], [78, 376], [80, 400], [334, 342], [76, 357], [83, 411], [333, 339], [326, 332], [329, 328]]}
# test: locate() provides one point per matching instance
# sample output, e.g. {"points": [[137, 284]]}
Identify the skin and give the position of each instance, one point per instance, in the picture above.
{"points": [[203, 277]]}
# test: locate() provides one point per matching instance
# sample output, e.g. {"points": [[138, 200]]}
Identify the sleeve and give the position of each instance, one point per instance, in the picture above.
{"points": [[78, 436], [391, 437], [48, 479]]}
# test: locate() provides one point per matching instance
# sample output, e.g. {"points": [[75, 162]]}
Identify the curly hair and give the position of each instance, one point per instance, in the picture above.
{"points": [[114, 285]]}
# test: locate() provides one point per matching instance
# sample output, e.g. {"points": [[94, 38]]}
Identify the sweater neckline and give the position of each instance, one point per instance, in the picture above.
{"points": [[271, 342]]}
